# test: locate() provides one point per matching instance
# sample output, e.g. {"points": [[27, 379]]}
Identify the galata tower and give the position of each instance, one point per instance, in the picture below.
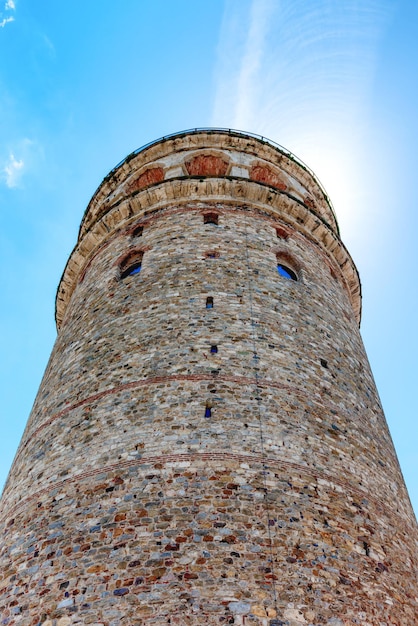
{"points": [[207, 446]]}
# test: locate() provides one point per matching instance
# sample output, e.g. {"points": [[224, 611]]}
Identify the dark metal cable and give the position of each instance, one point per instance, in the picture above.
{"points": [[260, 422]]}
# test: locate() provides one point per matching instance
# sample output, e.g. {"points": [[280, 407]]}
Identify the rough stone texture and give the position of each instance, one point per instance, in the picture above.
{"points": [[125, 504]]}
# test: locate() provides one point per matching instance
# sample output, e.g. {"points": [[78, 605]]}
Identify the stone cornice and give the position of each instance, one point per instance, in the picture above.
{"points": [[240, 147], [229, 191]]}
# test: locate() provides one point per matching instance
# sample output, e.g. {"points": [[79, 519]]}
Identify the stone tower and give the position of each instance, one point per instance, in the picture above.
{"points": [[207, 445]]}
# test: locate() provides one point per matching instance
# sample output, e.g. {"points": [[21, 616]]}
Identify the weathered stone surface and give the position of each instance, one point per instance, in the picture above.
{"points": [[263, 174], [161, 482]]}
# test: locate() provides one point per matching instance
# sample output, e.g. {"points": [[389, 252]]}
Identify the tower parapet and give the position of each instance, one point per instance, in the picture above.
{"points": [[207, 445], [224, 166]]}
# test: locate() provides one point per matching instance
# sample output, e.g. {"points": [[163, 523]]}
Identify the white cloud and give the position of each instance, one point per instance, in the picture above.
{"points": [[5, 21], [24, 157], [260, 20], [13, 170], [9, 5]]}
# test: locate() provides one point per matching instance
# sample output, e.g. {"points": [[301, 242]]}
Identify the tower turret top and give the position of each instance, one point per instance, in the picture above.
{"points": [[209, 165]]}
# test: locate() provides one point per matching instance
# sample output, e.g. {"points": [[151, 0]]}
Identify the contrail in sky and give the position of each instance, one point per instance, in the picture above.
{"points": [[301, 72]]}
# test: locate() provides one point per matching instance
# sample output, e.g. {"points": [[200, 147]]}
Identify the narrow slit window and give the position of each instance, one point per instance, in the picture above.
{"points": [[208, 410], [214, 349], [211, 218], [209, 302], [286, 272]]}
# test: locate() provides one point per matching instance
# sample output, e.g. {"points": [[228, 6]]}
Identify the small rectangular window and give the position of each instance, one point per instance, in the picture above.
{"points": [[209, 302], [213, 349], [210, 218]]}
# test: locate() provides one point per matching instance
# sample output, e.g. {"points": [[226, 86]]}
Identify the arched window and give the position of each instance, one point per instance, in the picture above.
{"points": [[131, 264], [287, 267], [286, 272], [209, 302]]}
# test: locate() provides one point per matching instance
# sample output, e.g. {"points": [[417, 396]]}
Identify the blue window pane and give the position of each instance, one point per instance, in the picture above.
{"points": [[286, 272], [134, 270], [208, 412], [214, 349]]}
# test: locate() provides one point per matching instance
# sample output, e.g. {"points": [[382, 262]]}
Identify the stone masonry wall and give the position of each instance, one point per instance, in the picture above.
{"points": [[160, 482]]}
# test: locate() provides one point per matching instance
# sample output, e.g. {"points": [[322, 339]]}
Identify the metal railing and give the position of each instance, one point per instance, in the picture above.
{"points": [[226, 131]]}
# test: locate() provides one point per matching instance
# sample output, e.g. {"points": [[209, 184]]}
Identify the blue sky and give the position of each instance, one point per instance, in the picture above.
{"points": [[82, 84]]}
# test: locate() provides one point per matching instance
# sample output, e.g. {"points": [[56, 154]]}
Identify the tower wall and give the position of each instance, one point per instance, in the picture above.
{"points": [[160, 482]]}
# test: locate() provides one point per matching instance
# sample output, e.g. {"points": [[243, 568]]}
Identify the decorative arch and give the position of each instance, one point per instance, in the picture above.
{"points": [[208, 164], [263, 174], [151, 176]]}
